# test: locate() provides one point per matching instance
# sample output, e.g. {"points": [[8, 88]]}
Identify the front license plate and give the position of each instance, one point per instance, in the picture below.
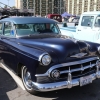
{"points": [[85, 80]]}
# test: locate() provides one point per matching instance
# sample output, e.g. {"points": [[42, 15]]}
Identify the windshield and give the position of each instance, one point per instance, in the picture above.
{"points": [[31, 29]]}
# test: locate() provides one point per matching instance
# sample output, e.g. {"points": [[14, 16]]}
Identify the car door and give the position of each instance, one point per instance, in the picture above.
{"points": [[85, 29], [96, 29], [2, 47], [8, 40]]}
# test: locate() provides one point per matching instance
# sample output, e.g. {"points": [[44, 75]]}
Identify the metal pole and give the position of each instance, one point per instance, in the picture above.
{"points": [[40, 6], [4, 4], [34, 7], [8, 2], [60, 1]]}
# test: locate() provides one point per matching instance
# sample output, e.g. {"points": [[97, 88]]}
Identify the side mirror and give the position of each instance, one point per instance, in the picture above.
{"points": [[76, 24], [89, 24]]}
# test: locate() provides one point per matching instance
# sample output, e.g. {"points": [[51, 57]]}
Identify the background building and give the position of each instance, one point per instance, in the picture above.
{"points": [[77, 7], [42, 7]]}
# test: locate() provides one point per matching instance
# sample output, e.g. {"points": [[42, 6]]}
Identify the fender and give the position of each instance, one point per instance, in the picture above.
{"points": [[98, 36], [67, 33], [98, 41]]}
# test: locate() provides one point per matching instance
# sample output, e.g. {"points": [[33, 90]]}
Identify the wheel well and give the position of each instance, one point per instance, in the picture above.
{"points": [[20, 65]]}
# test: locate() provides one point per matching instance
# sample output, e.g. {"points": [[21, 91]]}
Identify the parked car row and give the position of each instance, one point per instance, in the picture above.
{"points": [[34, 49]]}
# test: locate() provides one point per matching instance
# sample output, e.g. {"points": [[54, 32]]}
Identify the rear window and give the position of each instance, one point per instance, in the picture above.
{"points": [[87, 21]]}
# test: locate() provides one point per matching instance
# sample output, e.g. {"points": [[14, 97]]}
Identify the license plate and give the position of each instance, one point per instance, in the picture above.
{"points": [[85, 80]]}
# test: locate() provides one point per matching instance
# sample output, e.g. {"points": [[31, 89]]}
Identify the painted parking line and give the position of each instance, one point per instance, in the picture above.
{"points": [[14, 76]]}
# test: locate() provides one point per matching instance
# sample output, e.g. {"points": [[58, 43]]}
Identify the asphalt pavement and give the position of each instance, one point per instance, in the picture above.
{"points": [[10, 90]]}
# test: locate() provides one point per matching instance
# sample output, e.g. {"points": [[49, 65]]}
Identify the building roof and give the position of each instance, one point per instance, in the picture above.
{"points": [[92, 12], [24, 20]]}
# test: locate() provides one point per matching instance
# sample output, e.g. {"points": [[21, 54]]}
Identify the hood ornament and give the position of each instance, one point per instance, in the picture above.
{"points": [[79, 55]]}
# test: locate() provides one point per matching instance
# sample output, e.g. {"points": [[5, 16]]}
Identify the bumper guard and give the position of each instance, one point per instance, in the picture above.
{"points": [[61, 85]]}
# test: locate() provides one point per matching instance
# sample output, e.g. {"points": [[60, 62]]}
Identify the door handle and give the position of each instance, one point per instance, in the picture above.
{"points": [[78, 30], [1, 38]]}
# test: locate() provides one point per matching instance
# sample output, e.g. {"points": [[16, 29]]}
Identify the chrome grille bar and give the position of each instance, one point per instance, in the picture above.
{"points": [[69, 79], [78, 69], [72, 63]]}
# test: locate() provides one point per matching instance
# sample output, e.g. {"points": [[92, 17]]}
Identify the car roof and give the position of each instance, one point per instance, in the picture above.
{"points": [[24, 20], [93, 12]]}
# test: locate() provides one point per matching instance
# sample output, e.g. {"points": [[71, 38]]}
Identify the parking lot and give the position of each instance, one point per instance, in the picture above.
{"points": [[10, 90]]}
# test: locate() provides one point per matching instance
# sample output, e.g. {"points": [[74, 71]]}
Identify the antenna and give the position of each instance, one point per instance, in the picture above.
{"points": [[8, 2], [6, 5]]}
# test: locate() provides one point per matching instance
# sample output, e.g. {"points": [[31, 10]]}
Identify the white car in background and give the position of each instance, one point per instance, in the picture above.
{"points": [[88, 28]]}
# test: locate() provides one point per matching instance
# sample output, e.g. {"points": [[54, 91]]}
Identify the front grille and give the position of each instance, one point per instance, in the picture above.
{"points": [[78, 70]]}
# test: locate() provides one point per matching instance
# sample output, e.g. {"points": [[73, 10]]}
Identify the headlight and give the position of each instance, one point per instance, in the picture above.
{"points": [[45, 59], [99, 49]]}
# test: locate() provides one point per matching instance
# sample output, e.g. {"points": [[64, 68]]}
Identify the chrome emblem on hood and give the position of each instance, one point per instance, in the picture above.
{"points": [[79, 55]]}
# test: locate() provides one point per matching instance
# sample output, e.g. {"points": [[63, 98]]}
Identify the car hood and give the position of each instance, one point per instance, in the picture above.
{"points": [[61, 47]]}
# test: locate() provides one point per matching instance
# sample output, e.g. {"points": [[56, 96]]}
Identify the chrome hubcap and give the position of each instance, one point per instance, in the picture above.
{"points": [[27, 79]]}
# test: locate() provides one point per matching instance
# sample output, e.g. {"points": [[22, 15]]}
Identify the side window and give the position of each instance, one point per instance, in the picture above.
{"points": [[1, 28], [97, 22], [87, 21], [54, 29], [8, 30]]}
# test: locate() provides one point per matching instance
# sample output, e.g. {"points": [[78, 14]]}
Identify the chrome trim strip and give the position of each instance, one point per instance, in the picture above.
{"points": [[61, 85], [66, 64], [79, 55], [90, 65], [77, 69]]}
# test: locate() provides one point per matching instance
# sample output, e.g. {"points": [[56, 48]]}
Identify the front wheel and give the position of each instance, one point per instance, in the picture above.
{"points": [[26, 79]]}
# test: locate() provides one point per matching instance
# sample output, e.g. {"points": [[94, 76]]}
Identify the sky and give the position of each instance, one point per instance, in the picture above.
{"points": [[11, 2]]}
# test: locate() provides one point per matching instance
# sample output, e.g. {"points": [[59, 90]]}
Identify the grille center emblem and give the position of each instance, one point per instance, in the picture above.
{"points": [[79, 55]]}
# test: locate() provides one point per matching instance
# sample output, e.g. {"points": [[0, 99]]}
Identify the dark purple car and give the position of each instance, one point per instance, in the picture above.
{"points": [[34, 48]]}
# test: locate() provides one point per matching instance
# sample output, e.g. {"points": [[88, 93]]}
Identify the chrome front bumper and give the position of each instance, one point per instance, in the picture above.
{"points": [[61, 85]]}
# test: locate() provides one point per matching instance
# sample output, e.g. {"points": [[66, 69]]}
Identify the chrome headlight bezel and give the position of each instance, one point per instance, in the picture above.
{"points": [[98, 48], [45, 59]]}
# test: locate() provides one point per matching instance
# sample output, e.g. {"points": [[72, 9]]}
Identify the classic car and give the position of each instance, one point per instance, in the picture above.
{"points": [[33, 48], [56, 17]]}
